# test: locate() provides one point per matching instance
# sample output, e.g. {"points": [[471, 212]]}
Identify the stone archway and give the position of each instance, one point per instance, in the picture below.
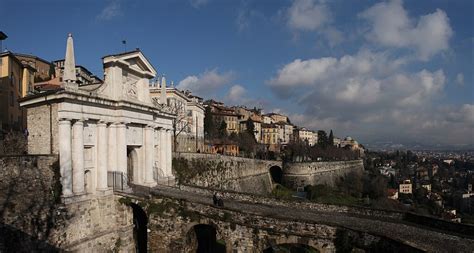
{"points": [[140, 228], [202, 238], [132, 164], [276, 174], [290, 248]]}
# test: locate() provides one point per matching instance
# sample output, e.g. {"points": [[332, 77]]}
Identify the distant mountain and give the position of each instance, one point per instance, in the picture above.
{"points": [[389, 145]]}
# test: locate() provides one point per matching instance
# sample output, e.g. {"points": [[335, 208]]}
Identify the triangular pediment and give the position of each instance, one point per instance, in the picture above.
{"points": [[134, 60]]}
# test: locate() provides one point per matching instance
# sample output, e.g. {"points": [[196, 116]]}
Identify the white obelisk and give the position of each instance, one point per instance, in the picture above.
{"points": [[69, 76]]}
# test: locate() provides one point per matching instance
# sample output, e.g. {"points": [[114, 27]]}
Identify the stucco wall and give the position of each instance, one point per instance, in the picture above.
{"points": [[302, 174], [228, 172], [33, 217]]}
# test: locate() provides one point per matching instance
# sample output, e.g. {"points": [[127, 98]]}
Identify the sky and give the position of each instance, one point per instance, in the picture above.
{"points": [[380, 71]]}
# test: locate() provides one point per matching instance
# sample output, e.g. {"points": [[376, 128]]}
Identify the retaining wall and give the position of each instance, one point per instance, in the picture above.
{"points": [[313, 173]]}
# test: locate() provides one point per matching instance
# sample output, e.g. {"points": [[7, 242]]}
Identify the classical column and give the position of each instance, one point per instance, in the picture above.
{"points": [[112, 163], [102, 156], [149, 154], [78, 157], [65, 156], [122, 148], [163, 153], [169, 155]]}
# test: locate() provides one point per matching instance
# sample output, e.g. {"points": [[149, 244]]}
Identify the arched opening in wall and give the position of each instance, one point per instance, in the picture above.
{"points": [[203, 238], [132, 163], [140, 233], [291, 248], [277, 174]]}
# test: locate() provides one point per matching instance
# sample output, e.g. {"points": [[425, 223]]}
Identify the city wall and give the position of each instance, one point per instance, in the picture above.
{"points": [[313, 173], [224, 172], [33, 218]]}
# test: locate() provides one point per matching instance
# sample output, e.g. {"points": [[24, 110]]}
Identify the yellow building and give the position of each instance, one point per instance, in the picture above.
{"points": [[44, 69], [16, 81], [270, 137]]}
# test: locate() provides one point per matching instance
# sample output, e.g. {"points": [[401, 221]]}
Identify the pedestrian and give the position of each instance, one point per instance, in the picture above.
{"points": [[215, 199]]}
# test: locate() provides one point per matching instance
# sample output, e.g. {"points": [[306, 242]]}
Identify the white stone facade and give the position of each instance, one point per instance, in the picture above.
{"points": [[99, 130]]}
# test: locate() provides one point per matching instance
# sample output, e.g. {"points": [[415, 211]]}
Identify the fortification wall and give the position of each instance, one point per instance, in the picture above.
{"points": [[302, 174], [224, 172], [33, 217]]}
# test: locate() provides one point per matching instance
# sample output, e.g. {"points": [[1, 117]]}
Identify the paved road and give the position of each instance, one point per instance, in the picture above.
{"points": [[415, 236]]}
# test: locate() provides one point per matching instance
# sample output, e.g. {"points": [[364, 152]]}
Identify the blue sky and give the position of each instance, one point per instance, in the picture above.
{"points": [[398, 71]]}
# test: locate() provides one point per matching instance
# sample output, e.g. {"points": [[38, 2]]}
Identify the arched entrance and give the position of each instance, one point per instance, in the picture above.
{"points": [[132, 164], [291, 248], [140, 233], [202, 238], [277, 174]]}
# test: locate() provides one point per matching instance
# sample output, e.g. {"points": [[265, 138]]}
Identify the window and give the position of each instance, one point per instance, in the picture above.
{"points": [[12, 78]]}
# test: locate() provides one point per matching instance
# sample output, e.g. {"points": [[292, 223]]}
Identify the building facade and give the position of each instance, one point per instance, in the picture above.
{"points": [[189, 122], [103, 131], [16, 81]]}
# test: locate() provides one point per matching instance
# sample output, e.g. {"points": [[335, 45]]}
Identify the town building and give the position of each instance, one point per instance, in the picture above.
{"points": [[222, 147], [44, 69], [305, 135], [16, 81], [83, 75], [188, 133], [270, 137], [225, 114], [406, 187]]}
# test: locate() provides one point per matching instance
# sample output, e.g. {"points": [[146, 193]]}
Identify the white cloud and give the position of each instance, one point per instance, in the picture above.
{"points": [[111, 10], [198, 3], [392, 27], [460, 79], [236, 94], [308, 15], [209, 81], [371, 95]]}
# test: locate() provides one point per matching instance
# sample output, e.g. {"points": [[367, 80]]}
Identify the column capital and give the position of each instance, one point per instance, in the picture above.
{"points": [[102, 123], [64, 120], [151, 126], [79, 122]]}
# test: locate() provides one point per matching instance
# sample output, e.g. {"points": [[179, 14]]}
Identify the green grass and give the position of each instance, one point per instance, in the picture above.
{"points": [[282, 192]]}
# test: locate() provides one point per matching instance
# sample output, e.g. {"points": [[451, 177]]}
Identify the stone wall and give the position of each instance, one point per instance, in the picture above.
{"points": [[171, 224], [225, 172], [302, 174], [33, 217], [41, 139]]}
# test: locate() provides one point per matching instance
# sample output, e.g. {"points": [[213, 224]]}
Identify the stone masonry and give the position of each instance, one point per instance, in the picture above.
{"points": [[33, 218]]}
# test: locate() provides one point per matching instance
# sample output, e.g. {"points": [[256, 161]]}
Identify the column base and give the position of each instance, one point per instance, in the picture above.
{"points": [[150, 184], [105, 191], [168, 181]]}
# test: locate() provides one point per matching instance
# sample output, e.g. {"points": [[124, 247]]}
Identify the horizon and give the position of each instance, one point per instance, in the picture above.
{"points": [[389, 71]]}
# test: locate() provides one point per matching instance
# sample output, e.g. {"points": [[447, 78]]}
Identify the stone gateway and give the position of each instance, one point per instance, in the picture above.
{"points": [[106, 134]]}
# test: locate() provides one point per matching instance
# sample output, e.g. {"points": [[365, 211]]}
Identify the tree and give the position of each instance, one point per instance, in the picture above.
{"points": [[209, 124], [222, 130], [180, 122], [331, 139], [250, 127], [322, 139]]}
